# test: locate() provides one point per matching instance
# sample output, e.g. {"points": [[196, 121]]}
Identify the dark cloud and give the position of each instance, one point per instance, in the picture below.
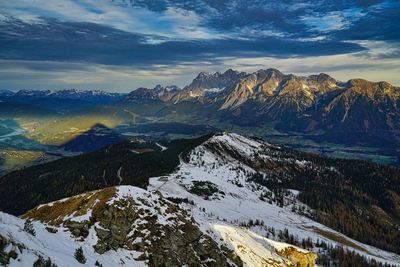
{"points": [[232, 15], [226, 29], [379, 20], [86, 42], [381, 23]]}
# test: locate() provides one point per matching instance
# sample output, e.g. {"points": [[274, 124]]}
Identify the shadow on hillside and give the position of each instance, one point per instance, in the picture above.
{"points": [[96, 137]]}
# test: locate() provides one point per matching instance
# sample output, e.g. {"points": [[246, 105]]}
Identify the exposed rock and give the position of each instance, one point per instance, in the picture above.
{"points": [[158, 230], [217, 80], [300, 258], [9, 250]]}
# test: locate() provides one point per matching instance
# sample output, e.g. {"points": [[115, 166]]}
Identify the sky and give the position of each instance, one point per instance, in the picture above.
{"points": [[120, 45]]}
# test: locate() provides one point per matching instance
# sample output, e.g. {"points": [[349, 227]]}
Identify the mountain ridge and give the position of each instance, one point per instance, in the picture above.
{"points": [[360, 109], [227, 200]]}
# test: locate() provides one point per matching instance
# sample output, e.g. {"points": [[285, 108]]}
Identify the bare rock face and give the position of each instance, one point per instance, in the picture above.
{"points": [[206, 84], [364, 107], [278, 91], [157, 93], [166, 236], [9, 250], [155, 229], [217, 80]]}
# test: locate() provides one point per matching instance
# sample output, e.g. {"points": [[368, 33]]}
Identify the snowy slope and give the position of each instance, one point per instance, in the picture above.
{"points": [[60, 246], [220, 220], [222, 213]]}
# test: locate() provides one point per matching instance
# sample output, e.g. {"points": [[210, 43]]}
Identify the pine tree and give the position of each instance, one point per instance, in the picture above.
{"points": [[28, 227], [40, 262], [79, 256]]}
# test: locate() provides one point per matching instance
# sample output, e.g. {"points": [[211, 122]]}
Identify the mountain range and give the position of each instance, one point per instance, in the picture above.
{"points": [[218, 200], [87, 95], [315, 113], [352, 112]]}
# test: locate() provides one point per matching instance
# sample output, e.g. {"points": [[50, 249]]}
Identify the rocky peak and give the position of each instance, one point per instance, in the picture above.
{"points": [[217, 80], [372, 90], [158, 87], [270, 73], [203, 75], [230, 73], [135, 222], [322, 77], [142, 93]]}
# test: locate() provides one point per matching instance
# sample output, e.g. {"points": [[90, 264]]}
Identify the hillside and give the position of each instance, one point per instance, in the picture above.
{"points": [[123, 163], [124, 225], [267, 204]]}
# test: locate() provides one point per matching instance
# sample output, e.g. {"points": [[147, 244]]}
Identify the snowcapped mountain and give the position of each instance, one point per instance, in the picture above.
{"points": [[87, 95], [213, 210]]}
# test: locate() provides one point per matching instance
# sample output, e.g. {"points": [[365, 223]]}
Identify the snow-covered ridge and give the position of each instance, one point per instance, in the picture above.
{"points": [[233, 200], [219, 205], [117, 226]]}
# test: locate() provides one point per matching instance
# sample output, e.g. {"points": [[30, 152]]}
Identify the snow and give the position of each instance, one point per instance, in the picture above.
{"points": [[162, 147], [220, 215], [242, 203], [134, 151], [249, 249], [214, 90], [119, 175], [61, 246]]}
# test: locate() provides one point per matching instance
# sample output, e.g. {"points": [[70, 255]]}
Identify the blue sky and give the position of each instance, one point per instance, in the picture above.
{"points": [[119, 45]]}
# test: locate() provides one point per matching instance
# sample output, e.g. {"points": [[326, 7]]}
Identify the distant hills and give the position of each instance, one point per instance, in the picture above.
{"points": [[87, 95], [51, 102]]}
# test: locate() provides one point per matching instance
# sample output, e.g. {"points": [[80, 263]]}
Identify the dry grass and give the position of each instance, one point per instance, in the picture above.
{"points": [[17, 158], [338, 238], [77, 205]]}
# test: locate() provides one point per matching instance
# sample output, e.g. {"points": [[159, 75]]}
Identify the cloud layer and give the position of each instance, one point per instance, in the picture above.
{"points": [[46, 40]]}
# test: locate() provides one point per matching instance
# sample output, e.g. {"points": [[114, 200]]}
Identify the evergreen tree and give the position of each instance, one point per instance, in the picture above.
{"points": [[28, 227], [79, 256], [40, 262]]}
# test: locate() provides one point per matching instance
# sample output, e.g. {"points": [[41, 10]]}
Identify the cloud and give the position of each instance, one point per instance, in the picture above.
{"points": [[172, 23], [88, 42], [93, 39], [17, 74], [332, 21]]}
